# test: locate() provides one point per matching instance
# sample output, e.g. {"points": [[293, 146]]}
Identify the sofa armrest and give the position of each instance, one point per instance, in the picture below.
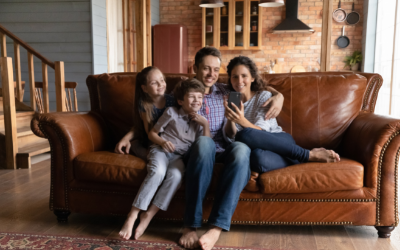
{"points": [[374, 141], [69, 135]]}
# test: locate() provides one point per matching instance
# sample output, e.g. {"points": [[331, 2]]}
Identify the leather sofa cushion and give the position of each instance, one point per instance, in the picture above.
{"points": [[314, 177], [127, 170], [317, 108], [111, 168]]}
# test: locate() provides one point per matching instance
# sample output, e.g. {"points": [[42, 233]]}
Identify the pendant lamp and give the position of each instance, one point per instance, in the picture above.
{"points": [[211, 3], [271, 3]]}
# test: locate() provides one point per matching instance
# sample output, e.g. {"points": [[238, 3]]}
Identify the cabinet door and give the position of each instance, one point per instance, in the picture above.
{"points": [[239, 26], [210, 25], [255, 21], [224, 26]]}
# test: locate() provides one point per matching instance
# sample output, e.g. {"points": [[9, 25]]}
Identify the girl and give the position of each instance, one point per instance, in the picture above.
{"points": [[150, 103], [271, 147]]}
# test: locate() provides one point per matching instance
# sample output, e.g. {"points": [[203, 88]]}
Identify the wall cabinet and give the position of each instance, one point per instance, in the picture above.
{"points": [[236, 26]]}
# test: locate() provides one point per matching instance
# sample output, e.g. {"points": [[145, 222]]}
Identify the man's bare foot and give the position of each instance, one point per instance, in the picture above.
{"points": [[145, 219], [323, 155], [209, 238], [189, 238], [126, 231]]}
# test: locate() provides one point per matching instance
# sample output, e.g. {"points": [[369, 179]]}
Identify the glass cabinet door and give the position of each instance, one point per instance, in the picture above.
{"points": [[239, 28], [209, 27], [224, 26], [255, 22]]}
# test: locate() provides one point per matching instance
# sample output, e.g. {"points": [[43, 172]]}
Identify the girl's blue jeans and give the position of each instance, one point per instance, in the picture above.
{"points": [[271, 151]]}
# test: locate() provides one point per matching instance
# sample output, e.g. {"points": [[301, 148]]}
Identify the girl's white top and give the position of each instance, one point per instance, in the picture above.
{"points": [[254, 112]]}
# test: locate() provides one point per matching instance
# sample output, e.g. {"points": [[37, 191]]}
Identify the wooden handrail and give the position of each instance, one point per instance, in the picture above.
{"points": [[27, 47]]}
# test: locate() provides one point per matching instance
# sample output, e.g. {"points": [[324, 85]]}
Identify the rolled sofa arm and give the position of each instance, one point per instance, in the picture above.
{"points": [[374, 141], [69, 135]]}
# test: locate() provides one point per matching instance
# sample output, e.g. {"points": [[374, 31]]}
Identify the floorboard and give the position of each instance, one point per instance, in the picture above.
{"points": [[24, 203]]}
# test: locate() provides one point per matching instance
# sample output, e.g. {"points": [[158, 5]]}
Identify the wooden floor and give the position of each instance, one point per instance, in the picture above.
{"points": [[24, 208]]}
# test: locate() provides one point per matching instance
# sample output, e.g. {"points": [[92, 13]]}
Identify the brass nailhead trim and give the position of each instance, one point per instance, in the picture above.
{"points": [[373, 102], [310, 223], [53, 165], [378, 193], [396, 176], [250, 200], [367, 93]]}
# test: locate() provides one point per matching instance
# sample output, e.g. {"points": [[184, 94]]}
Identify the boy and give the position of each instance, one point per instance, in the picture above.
{"points": [[178, 129]]}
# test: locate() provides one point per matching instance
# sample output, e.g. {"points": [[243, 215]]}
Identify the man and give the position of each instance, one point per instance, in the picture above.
{"points": [[205, 151]]}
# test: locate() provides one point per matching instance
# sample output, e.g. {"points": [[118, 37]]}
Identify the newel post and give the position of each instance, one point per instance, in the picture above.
{"points": [[10, 118], [60, 86]]}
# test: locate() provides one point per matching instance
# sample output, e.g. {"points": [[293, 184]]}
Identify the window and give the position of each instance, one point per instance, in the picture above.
{"points": [[387, 57]]}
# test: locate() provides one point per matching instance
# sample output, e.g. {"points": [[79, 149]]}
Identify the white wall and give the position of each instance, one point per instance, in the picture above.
{"points": [[58, 29], [155, 12]]}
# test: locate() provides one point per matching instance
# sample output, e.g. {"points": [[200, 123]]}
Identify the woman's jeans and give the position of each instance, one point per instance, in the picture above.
{"points": [[271, 151], [235, 174]]}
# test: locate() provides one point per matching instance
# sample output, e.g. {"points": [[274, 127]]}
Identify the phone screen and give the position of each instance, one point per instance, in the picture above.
{"points": [[234, 97]]}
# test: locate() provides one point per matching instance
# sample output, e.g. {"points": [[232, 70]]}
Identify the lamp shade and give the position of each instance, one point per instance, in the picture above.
{"points": [[211, 3], [271, 3]]}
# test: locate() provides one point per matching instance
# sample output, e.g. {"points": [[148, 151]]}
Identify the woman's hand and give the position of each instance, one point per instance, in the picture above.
{"points": [[199, 119], [123, 143], [276, 102], [236, 115], [168, 146]]}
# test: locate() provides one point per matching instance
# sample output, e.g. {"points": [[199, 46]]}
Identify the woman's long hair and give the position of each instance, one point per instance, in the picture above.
{"points": [[143, 102], [258, 83]]}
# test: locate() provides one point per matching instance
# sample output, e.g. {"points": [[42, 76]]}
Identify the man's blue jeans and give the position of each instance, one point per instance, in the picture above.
{"points": [[271, 151], [200, 161]]}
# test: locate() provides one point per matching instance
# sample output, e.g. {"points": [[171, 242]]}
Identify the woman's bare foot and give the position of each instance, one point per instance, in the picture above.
{"points": [[209, 238], [126, 231], [189, 238], [323, 155]]}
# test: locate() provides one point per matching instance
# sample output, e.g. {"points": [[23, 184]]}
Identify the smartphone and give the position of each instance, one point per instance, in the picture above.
{"points": [[234, 97]]}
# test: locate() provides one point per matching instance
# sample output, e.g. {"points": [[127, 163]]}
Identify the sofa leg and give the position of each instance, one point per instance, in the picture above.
{"points": [[62, 215], [384, 232]]}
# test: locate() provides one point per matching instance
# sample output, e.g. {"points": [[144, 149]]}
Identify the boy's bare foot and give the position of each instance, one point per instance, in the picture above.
{"points": [[323, 155], [145, 219], [189, 238], [126, 231], [209, 238]]}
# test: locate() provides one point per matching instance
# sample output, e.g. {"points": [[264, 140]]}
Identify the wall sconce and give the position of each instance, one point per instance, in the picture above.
{"points": [[211, 3], [271, 3]]}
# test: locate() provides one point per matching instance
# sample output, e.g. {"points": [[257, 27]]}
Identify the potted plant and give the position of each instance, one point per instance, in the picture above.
{"points": [[354, 60]]}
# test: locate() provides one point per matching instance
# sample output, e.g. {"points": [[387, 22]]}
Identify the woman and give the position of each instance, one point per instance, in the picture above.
{"points": [[271, 147]]}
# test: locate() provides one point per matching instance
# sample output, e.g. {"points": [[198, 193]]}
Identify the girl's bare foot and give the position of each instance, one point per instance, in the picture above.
{"points": [[189, 238], [209, 238], [323, 155], [126, 231], [145, 219]]}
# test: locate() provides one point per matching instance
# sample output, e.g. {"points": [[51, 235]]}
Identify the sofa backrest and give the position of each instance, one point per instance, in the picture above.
{"points": [[318, 107]]}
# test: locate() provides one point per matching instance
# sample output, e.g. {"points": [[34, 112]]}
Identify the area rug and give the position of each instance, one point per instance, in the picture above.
{"points": [[47, 242]]}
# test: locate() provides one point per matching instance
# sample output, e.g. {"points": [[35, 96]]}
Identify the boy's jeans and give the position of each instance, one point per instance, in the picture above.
{"points": [[200, 161]]}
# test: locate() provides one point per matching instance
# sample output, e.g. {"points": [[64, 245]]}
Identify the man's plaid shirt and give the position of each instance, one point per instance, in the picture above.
{"points": [[214, 111]]}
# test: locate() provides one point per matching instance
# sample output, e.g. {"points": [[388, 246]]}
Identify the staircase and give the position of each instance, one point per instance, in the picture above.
{"points": [[28, 144], [17, 142]]}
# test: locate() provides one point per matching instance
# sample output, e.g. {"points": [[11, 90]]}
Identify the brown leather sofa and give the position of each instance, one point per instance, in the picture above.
{"points": [[334, 110]]}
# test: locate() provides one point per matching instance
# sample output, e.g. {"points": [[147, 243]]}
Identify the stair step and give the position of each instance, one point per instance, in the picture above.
{"points": [[25, 153], [23, 131], [36, 149], [19, 114]]}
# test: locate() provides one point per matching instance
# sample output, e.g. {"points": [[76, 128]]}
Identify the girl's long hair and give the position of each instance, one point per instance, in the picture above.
{"points": [[142, 102], [258, 83]]}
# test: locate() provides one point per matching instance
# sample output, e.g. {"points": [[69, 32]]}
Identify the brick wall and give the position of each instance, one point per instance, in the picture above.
{"points": [[297, 48]]}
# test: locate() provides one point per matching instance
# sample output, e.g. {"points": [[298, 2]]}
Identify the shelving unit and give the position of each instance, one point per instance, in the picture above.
{"points": [[224, 21]]}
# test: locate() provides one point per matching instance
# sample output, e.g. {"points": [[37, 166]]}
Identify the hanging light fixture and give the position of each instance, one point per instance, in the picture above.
{"points": [[211, 3], [271, 3]]}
